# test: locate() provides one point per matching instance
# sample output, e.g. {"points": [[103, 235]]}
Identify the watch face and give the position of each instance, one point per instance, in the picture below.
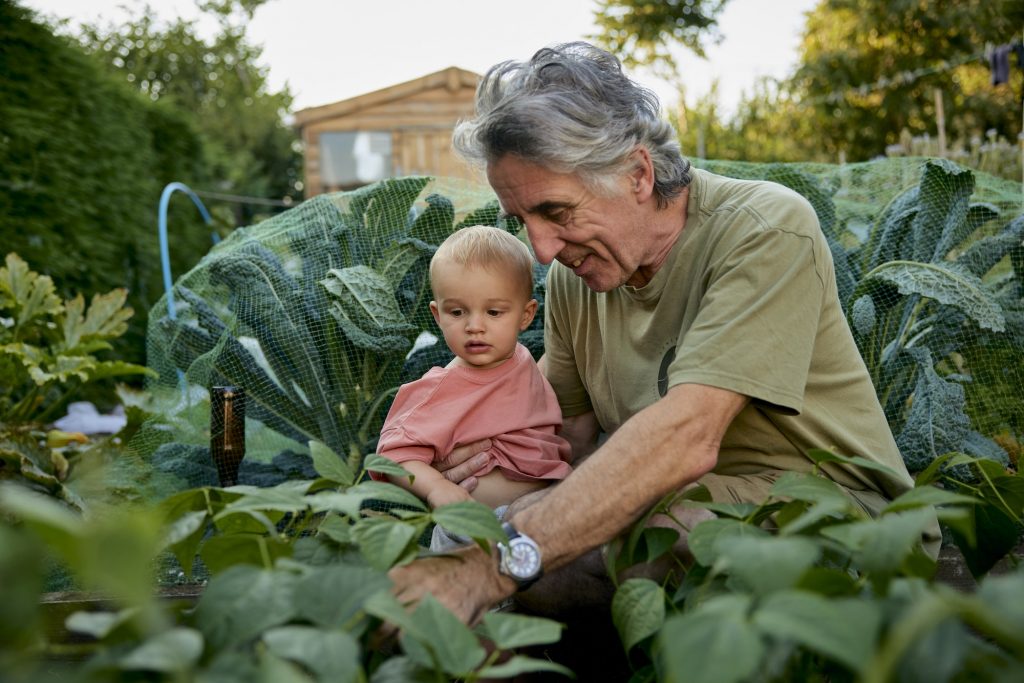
{"points": [[523, 560]]}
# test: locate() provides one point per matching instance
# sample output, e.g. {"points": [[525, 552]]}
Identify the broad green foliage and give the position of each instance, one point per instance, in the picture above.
{"points": [[48, 346], [832, 594], [932, 286], [313, 314], [931, 308], [84, 158], [298, 585], [219, 85], [638, 31], [868, 69]]}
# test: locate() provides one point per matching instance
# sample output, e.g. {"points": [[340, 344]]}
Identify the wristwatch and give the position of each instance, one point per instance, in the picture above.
{"points": [[520, 558]]}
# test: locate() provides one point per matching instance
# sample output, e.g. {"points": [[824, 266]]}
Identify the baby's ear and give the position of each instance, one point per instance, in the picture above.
{"points": [[434, 312], [529, 311]]}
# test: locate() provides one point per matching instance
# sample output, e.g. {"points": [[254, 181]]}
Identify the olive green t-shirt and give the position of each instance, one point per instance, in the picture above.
{"points": [[747, 302]]}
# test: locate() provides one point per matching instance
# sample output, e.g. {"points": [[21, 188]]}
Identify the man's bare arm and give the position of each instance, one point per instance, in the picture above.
{"points": [[669, 444], [660, 449]]}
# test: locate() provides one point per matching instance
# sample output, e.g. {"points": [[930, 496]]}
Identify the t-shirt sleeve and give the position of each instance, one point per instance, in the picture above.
{"points": [[397, 442], [758, 319], [560, 367]]}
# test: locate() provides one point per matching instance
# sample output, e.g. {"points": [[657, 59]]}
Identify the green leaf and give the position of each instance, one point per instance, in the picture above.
{"points": [[715, 643], [730, 510], [385, 541], [519, 664], [821, 456], [808, 487], [29, 294], [435, 223], [107, 318], [472, 519], [382, 465], [242, 602], [336, 528], [402, 669], [439, 640], [332, 655], [366, 298], [508, 631], [175, 650], [766, 564], [183, 537], [844, 630], [330, 465], [58, 526], [881, 545], [936, 423], [703, 540], [387, 493], [927, 495], [332, 596], [638, 610], [280, 499], [99, 624], [222, 553], [942, 283]]}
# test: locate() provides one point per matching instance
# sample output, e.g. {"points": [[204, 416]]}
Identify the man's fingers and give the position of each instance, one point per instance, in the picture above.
{"points": [[461, 456], [468, 469]]}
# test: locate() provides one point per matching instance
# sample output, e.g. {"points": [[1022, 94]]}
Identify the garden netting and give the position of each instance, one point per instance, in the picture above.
{"points": [[315, 314]]}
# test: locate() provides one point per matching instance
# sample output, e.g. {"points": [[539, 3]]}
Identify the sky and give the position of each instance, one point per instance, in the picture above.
{"points": [[329, 50]]}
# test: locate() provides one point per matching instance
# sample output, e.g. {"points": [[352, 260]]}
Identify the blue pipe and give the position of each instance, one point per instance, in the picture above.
{"points": [[165, 256]]}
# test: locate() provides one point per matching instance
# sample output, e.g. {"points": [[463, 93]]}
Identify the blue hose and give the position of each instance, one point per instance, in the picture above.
{"points": [[165, 256]]}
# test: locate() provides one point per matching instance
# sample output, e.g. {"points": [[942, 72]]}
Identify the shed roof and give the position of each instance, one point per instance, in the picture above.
{"points": [[453, 78]]}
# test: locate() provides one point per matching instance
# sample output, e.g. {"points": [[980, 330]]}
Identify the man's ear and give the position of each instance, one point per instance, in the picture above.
{"points": [[434, 312], [642, 174], [529, 311]]}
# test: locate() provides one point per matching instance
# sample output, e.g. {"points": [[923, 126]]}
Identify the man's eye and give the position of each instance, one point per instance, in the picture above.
{"points": [[559, 216]]}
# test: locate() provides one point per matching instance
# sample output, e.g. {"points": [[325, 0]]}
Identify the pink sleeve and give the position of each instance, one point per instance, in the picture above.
{"points": [[396, 442]]}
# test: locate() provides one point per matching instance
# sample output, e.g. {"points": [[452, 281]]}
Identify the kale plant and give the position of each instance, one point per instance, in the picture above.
{"points": [[314, 312]]}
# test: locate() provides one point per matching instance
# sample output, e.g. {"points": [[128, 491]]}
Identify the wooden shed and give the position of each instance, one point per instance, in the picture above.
{"points": [[405, 129]]}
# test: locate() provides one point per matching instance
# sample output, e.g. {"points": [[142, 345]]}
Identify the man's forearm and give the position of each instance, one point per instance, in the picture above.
{"points": [[660, 449]]}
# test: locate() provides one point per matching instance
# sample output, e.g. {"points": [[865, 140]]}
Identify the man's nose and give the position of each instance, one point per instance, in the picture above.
{"points": [[543, 240]]}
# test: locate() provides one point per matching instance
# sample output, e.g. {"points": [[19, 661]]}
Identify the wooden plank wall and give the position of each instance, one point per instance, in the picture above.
{"points": [[421, 132]]}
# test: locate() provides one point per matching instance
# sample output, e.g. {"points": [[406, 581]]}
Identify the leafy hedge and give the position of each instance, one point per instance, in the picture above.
{"points": [[84, 160]]}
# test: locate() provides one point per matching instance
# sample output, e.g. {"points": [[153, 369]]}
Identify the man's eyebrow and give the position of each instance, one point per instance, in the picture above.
{"points": [[542, 208]]}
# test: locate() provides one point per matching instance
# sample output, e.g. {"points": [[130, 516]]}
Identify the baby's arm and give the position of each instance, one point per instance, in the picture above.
{"points": [[430, 485]]}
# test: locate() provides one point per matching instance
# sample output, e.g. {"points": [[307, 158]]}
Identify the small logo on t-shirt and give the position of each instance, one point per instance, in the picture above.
{"points": [[666, 361]]}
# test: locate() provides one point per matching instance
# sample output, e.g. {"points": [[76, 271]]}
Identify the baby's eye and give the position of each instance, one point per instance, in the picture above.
{"points": [[455, 312], [494, 312]]}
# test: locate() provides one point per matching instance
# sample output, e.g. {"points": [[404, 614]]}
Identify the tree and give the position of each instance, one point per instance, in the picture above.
{"points": [[221, 84], [84, 158], [639, 31], [869, 69]]}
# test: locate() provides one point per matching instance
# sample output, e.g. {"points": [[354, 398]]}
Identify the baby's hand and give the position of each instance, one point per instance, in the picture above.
{"points": [[445, 495]]}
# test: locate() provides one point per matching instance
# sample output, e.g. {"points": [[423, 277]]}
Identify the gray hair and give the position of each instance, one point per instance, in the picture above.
{"points": [[572, 109]]}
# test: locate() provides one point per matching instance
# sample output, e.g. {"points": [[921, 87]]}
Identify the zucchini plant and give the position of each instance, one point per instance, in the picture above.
{"points": [[828, 594], [297, 589]]}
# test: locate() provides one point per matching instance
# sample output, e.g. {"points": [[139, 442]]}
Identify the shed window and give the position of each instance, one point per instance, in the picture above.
{"points": [[352, 158]]}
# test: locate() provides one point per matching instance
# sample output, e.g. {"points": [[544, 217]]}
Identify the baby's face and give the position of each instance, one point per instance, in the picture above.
{"points": [[481, 312]]}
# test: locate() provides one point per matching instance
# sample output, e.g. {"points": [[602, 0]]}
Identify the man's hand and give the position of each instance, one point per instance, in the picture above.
{"points": [[463, 464], [466, 581]]}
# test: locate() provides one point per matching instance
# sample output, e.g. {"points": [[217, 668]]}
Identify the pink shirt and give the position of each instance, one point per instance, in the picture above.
{"points": [[512, 404]]}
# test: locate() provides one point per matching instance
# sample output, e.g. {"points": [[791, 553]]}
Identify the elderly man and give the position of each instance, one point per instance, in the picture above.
{"points": [[692, 318]]}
